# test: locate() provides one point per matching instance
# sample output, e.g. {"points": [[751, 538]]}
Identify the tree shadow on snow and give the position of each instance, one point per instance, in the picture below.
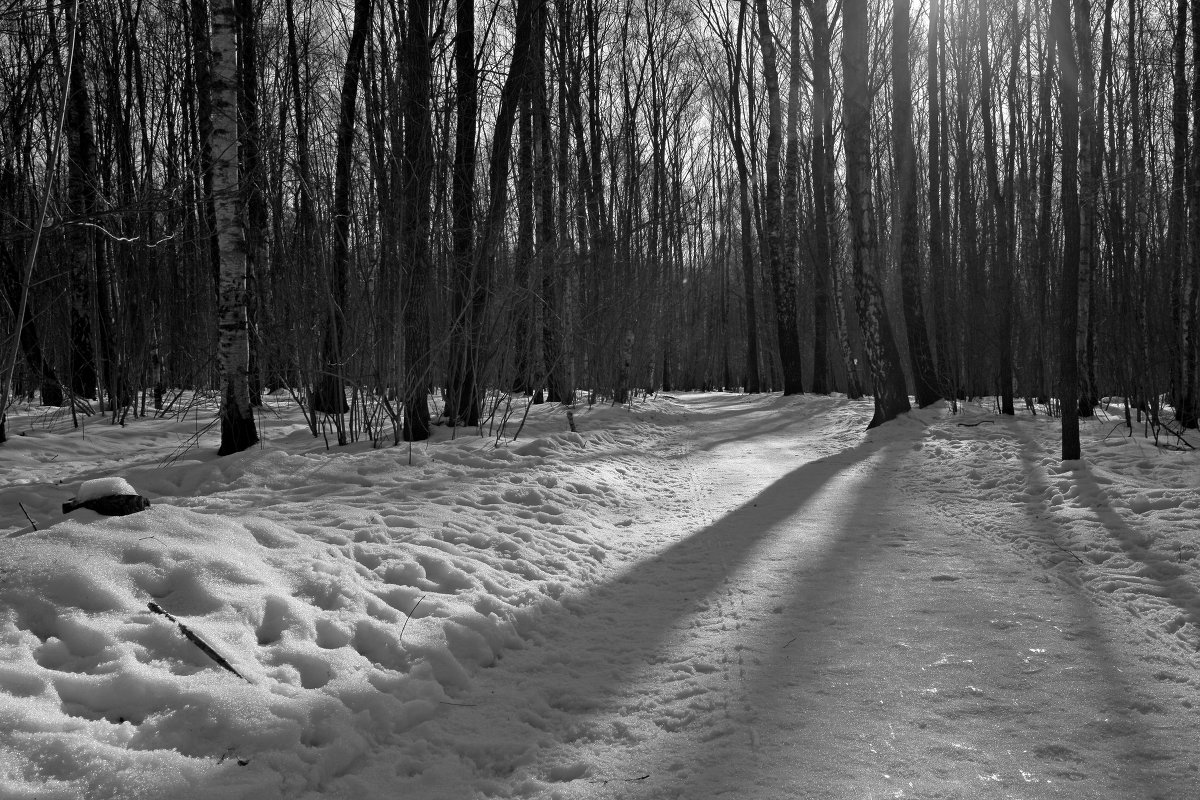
{"points": [[803, 657], [815, 413], [652, 607], [807, 658], [1170, 576], [651, 596]]}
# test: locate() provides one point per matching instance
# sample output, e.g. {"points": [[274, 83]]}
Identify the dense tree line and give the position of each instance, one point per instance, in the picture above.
{"points": [[405, 211]]}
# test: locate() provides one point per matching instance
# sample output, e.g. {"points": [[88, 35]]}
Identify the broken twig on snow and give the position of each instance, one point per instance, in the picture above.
{"points": [[196, 640], [409, 616], [606, 781], [1068, 552], [26, 513]]}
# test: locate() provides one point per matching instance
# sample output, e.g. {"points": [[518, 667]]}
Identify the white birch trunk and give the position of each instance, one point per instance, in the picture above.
{"points": [[238, 430]]}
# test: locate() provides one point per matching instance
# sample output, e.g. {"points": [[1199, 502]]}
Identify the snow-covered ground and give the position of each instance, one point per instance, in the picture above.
{"points": [[706, 596]]}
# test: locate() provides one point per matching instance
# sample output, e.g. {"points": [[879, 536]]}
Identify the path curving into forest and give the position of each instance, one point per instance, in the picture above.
{"points": [[823, 617]]}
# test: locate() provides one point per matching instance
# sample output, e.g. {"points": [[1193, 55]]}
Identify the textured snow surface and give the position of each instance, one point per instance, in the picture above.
{"points": [[705, 596]]}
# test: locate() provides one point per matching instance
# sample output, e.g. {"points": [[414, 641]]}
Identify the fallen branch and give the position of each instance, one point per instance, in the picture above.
{"points": [[606, 781], [196, 640], [26, 513], [975, 424], [409, 616], [1065, 550]]}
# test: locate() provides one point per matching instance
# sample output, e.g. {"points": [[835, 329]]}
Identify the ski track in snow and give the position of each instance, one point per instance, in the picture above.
{"points": [[712, 596]]}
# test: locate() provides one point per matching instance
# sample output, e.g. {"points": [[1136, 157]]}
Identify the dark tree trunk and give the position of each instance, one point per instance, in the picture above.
{"points": [[523, 316], [753, 383], [550, 288], [777, 255], [253, 180], [1177, 208], [891, 396], [821, 156], [791, 183], [329, 394], [937, 220], [463, 401], [31, 346], [416, 179], [82, 182], [1060, 26], [1188, 409], [998, 219], [908, 229], [1089, 187], [202, 75]]}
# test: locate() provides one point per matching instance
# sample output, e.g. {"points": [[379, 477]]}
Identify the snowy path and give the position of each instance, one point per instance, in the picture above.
{"points": [[828, 627], [705, 596]]}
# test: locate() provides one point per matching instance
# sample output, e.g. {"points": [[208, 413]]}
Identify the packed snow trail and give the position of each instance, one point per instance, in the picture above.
{"points": [[698, 597], [818, 620]]}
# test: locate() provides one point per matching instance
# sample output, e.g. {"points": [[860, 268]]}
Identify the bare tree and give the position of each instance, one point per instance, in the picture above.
{"points": [[823, 194], [998, 217], [906, 225], [462, 400], [1188, 396], [238, 430], [329, 394], [416, 178], [1068, 71], [779, 257], [883, 360]]}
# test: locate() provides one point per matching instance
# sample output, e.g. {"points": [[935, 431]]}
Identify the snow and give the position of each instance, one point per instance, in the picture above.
{"points": [[705, 596], [103, 487]]}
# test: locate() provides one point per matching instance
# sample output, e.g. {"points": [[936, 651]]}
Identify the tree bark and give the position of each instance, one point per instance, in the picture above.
{"points": [[778, 256], [416, 178], [253, 181], [1068, 70], [998, 219], [463, 401], [821, 156], [883, 360], [753, 382], [1188, 409], [329, 394], [1177, 207], [906, 223], [238, 430], [791, 183], [523, 312], [202, 74], [82, 182], [937, 220], [1089, 187], [550, 290]]}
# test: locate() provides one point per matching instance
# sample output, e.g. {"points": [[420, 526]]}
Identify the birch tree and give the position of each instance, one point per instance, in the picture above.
{"points": [[238, 430]]}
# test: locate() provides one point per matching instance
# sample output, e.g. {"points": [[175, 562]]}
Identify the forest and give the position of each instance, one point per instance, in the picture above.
{"points": [[403, 213]]}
